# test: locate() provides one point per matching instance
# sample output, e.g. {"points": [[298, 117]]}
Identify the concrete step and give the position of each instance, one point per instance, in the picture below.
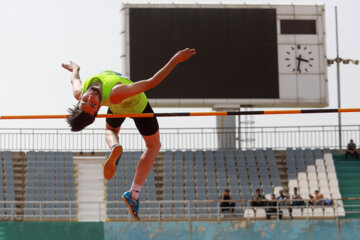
{"points": [[91, 189]]}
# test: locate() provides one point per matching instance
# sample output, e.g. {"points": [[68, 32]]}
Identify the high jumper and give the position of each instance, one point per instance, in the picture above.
{"points": [[121, 96]]}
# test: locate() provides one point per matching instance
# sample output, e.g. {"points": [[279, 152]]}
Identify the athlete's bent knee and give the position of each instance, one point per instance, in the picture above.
{"points": [[155, 146]]}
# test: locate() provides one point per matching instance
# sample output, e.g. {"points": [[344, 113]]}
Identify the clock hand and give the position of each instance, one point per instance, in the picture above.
{"points": [[299, 61], [304, 60]]}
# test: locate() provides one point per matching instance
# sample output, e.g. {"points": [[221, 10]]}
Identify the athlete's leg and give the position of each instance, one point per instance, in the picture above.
{"points": [[111, 135], [149, 129], [142, 170], [147, 159], [112, 139]]}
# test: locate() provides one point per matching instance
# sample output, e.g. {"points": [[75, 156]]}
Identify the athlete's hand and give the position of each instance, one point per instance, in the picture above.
{"points": [[184, 55], [71, 66]]}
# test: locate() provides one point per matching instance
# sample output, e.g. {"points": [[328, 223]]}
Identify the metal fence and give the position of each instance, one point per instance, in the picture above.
{"points": [[178, 210], [93, 140]]}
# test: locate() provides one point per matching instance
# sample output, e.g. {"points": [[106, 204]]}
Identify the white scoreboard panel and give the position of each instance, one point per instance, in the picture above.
{"points": [[302, 60], [302, 56]]}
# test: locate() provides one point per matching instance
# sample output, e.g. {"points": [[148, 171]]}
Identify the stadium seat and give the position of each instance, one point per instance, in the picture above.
{"points": [[277, 189], [323, 183], [304, 192], [303, 184], [307, 212], [260, 213], [296, 212], [310, 169], [321, 169], [334, 189], [312, 176], [328, 212], [249, 213], [331, 168], [319, 162], [339, 211], [332, 175], [302, 176], [313, 183], [322, 175], [336, 195], [318, 212]]}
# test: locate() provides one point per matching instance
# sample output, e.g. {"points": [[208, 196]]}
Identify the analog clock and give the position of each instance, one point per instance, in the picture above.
{"points": [[299, 59]]}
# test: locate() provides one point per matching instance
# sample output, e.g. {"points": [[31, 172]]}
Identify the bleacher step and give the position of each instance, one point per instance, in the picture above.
{"points": [[348, 172], [91, 189]]}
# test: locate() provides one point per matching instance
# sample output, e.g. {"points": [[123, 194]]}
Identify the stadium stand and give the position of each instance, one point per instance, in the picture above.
{"points": [[50, 181], [203, 175], [122, 182], [7, 187], [311, 170], [177, 178]]}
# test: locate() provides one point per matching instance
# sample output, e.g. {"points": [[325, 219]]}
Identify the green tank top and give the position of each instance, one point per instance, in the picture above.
{"points": [[108, 79]]}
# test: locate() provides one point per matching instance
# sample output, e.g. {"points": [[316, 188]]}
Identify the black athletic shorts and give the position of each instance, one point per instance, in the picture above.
{"points": [[146, 126]]}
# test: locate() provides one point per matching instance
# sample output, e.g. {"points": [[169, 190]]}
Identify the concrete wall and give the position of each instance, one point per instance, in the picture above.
{"points": [[297, 229]]}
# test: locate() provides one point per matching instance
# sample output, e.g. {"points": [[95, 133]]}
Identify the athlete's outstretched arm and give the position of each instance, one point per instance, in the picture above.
{"points": [[122, 91], [75, 78]]}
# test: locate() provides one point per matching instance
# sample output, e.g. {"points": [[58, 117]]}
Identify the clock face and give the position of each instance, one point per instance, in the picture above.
{"points": [[299, 59]]}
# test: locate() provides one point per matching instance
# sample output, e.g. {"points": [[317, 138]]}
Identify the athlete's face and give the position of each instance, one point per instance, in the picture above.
{"points": [[90, 101]]}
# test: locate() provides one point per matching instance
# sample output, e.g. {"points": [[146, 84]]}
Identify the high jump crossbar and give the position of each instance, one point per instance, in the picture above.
{"points": [[194, 114]]}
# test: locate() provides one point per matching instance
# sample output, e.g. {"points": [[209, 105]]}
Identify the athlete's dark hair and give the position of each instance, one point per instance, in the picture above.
{"points": [[78, 119]]}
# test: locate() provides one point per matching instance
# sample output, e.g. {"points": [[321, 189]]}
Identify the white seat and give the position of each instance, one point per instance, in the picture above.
{"points": [[333, 183], [324, 190], [313, 189], [302, 176], [260, 213], [329, 163], [318, 212], [313, 183], [332, 175], [327, 195], [312, 176], [249, 213], [339, 203], [293, 183], [307, 212], [336, 195], [321, 169], [319, 162], [285, 212], [323, 183], [322, 175], [328, 212], [340, 211], [310, 168], [305, 196], [328, 157], [277, 189], [334, 190], [268, 196], [296, 212], [330, 168], [303, 184], [291, 191], [304, 192]]}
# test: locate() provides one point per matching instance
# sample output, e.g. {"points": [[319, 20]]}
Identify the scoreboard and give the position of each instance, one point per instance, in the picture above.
{"points": [[254, 55]]}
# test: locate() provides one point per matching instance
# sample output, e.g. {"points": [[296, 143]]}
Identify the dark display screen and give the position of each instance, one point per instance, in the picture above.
{"points": [[236, 51], [298, 26]]}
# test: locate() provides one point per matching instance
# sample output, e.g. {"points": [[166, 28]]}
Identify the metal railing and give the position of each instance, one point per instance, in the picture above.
{"points": [[175, 210], [93, 140]]}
